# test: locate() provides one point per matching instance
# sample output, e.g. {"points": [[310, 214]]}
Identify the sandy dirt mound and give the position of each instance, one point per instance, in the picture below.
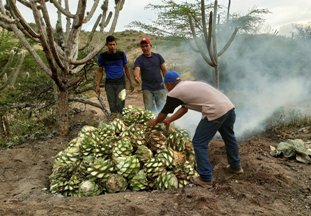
{"points": [[269, 186]]}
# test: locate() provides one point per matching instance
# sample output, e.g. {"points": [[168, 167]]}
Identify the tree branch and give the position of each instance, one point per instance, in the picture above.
{"points": [[80, 100], [90, 15], [23, 22], [88, 89], [61, 9], [229, 42], [6, 19], [45, 46], [91, 34], [50, 35], [207, 36], [98, 47], [73, 82], [27, 45], [198, 44], [215, 55]]}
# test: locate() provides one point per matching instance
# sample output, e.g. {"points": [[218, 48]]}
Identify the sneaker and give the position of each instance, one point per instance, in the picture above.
{"points": [[198, 181], [235, 171]]}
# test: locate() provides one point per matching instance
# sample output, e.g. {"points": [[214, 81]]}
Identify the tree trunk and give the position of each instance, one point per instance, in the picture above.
{"points": [[63, 112], [217, 76]]}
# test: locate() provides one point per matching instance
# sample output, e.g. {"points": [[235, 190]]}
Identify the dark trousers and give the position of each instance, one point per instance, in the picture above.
{"points": [[116, 105], [205, 132]]}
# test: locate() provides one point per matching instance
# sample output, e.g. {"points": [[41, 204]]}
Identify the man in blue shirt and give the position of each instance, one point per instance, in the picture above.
{"points": [[150, 65], [114, 61]]}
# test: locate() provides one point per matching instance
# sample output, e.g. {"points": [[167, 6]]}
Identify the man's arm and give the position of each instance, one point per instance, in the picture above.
{"points": [[159, 119], [182, 111], [163, 69], [128, 75], [136, 74], [99, 79]]}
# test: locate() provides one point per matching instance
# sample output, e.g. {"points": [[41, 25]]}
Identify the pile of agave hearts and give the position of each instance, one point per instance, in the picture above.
{"points": [[124, 154]]}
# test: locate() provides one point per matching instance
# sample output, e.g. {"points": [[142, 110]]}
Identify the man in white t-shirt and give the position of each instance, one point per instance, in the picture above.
{"points": [[217, 115]]}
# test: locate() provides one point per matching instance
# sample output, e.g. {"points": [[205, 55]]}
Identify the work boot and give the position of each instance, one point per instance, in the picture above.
{"points": [[198, 181], [235, 171]]}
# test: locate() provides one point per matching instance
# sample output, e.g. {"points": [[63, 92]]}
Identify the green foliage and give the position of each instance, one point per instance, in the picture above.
{"points": [[26, 125], [173, 19], [288, 117], [249, 23], [303, 31]]}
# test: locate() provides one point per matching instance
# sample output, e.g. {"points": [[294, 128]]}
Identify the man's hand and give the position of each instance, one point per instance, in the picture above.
{"points": [[167, 124], [97, 90], [137, 79], [152, 122], [132, 87]]}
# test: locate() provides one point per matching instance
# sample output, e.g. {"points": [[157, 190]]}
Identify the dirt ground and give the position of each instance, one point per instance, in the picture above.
{"points": [[269, 186]]}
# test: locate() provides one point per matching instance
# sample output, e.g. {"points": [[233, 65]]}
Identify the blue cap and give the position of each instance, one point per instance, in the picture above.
{"points": [[171, 76]]}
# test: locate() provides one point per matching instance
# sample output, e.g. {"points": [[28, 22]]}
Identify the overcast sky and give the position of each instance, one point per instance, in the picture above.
{"points": [[284, 12]]}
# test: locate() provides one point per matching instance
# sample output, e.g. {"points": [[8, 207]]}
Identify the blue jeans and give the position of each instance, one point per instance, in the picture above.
{"points": [[205, 132], [159, 97]]}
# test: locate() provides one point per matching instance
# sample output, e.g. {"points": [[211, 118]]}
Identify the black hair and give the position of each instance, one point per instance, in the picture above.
{"points": [[110, 39]]}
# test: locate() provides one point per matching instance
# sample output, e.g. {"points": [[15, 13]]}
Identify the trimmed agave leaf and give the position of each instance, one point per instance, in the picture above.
{"points": [[116, 183], [127, 166], [143, 153], [87, 129], [133, 116], [192, 160], [100, 169], [105, 131], [176, 141], [122, 148], [68, 156], [85, 164], [76, 142], [166, 180], [156, 141], [105, 148], [118, 126], [182, 183], [139, 181], [89, 188], [87, 146], [154, 167], [166, 155], [73, 185]]}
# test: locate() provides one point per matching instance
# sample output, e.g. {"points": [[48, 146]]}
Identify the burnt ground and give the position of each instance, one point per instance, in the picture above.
{"points": [[269, 186]]}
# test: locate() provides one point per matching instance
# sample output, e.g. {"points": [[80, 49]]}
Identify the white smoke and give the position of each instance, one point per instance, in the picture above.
{"points": [[262, 74]]}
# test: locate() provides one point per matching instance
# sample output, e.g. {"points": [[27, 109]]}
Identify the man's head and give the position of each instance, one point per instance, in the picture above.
{"points": [[171, 79], [111, 43], [145, 46]]}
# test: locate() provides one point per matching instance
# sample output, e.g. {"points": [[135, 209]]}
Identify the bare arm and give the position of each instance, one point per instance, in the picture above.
{"points": [[99, 79], [128, 75], [181, 112], [163, 69], [161, 117], [136, 75]]}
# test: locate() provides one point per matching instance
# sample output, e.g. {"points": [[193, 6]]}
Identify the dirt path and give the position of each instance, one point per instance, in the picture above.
{"points": [[270, 186]]}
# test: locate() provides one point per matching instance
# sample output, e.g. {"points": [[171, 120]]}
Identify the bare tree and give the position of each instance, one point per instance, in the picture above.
{"points": [[61, 49], [210, 37]]}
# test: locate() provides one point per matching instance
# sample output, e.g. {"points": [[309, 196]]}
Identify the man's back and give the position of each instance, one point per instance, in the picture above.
{"points": [[203, 98]]}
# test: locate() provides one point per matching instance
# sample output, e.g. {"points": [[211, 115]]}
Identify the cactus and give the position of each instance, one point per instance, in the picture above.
{"points": [[210, 39], [10, 81]]}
